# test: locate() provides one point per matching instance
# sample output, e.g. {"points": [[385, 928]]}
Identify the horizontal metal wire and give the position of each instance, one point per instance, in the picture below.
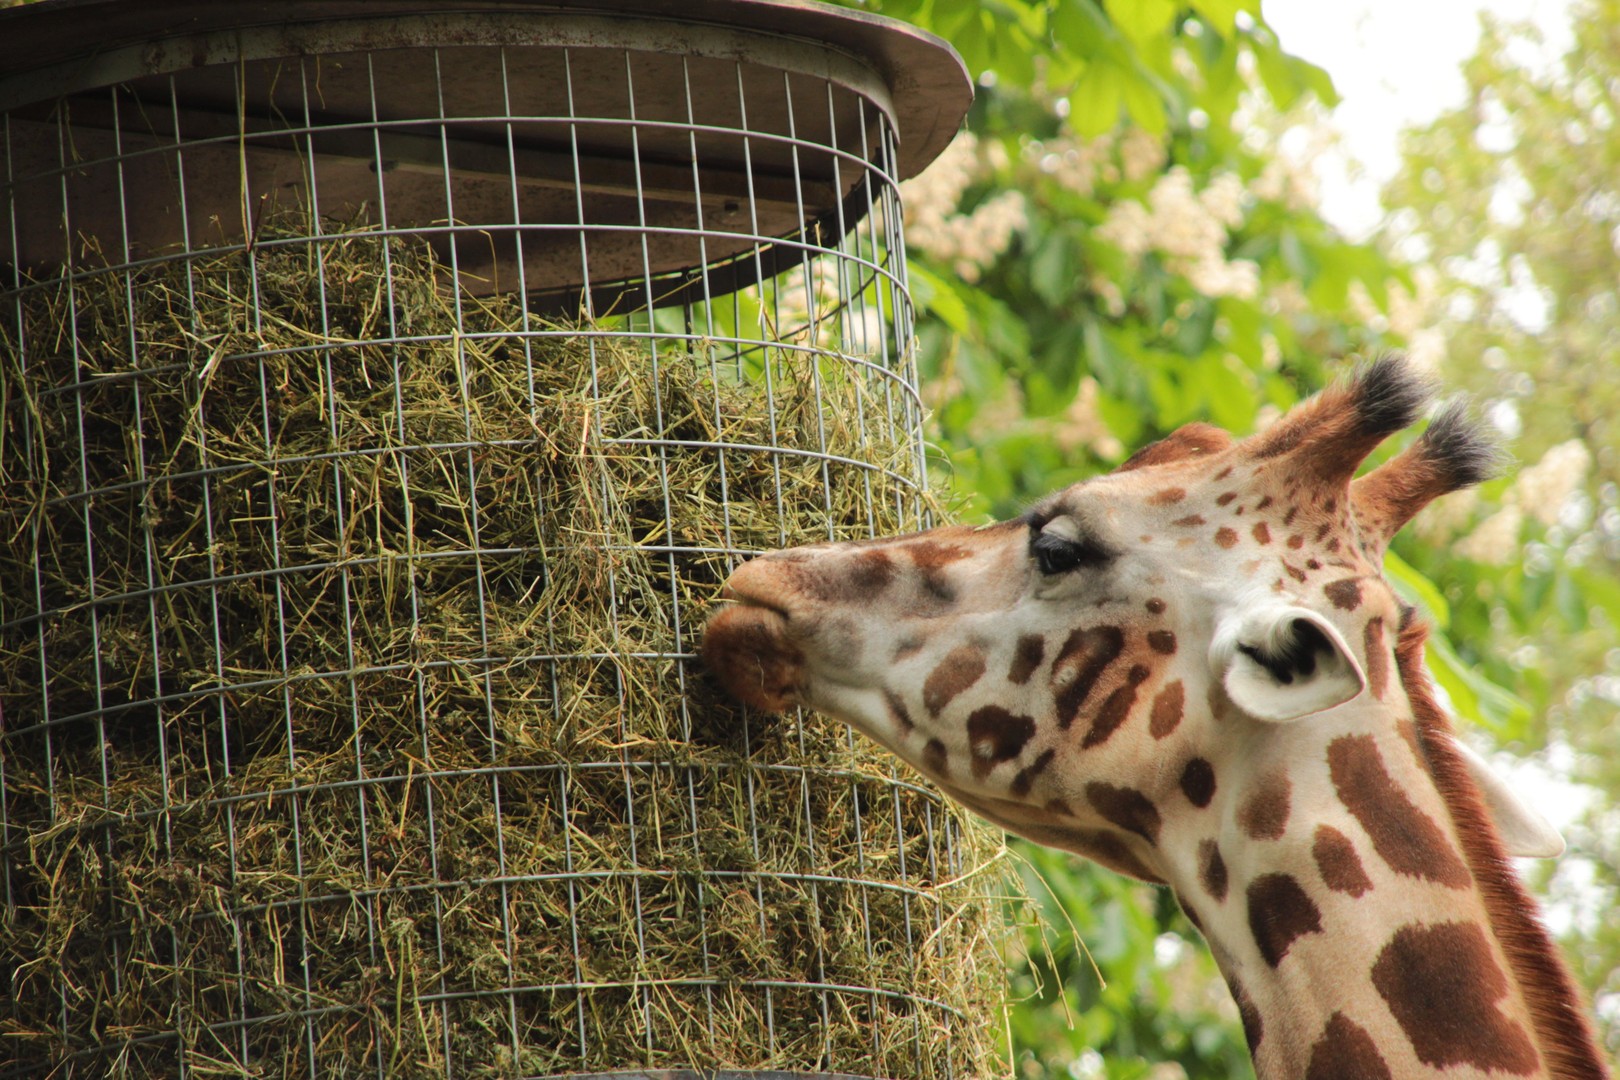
{"points": [[830, 772]]}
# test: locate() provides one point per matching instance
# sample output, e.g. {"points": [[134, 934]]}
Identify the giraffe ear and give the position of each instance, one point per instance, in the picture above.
{"points": [[1524, 831], [1281, 662]]}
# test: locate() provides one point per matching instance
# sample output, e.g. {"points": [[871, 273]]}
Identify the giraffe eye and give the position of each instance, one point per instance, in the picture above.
{"points": [[1055, 555]]}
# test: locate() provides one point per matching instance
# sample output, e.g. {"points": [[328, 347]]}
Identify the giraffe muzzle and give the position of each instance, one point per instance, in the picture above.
{"points": [[747, 648]]}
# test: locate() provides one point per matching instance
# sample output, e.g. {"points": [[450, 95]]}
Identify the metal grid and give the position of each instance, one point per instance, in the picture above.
{"points": [[167, 806]]}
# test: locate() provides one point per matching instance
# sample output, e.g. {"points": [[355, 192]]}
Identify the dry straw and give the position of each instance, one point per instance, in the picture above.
{"points": [[346, 725]]}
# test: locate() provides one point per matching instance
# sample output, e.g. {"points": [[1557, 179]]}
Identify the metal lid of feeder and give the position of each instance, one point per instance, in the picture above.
{"points": [[684, 136]]}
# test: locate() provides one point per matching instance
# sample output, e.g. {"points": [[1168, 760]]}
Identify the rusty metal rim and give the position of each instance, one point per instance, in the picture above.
{"points": [[914, 76]]}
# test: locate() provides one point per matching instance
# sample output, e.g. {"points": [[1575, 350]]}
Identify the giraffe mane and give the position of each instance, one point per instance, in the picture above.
{"points": [[1563, 1033]]}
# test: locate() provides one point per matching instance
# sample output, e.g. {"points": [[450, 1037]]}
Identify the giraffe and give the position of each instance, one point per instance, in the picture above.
{"points": [[1193, 671]]}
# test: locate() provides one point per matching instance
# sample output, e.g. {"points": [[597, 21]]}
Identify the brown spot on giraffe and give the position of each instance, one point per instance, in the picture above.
{"points": [[1083, 658], [1264, 814], [1254, 1029], [1408, 730], [1295, 572], [1338, 863], [1125, 807], [1155, 606], [1261, 533], [1168, 706], [932, 557], [909, 646], [1116, 710], [931, 554], [1026, 776], [1225, 537], [1280, 913], [1027, 657], [1377, 651], [995, 736], [1346, 1052], [898, 712], [1403, 836], [873, 572], [1212, 870], [1442, 984], [1162, 642], [1296, 541], [1112, 851], [1188, 522], [1198, 782], [1225, 498], [1167, 496], [1265, 501], [960, 669], [1345, 593]]}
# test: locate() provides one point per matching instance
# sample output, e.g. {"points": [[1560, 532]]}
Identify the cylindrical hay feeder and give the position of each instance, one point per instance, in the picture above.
{"points": [[385, 389]]}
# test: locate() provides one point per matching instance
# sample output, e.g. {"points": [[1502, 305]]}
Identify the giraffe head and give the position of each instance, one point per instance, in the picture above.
{"points": [[1193, 671]]}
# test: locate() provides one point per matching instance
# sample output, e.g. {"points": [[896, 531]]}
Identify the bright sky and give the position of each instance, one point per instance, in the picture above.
{"points": [[1395, 63]]}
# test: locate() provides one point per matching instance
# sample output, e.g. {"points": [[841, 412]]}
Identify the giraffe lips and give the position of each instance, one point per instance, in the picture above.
{"points": [[747, 649]]}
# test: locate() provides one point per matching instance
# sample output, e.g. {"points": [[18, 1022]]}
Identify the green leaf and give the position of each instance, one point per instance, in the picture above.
{"points": [[1048, 270], [1094, 105], [1222, 14], [1144, 105], [1473, 696], [1414, 588], [937, 295], [1141, 20]]}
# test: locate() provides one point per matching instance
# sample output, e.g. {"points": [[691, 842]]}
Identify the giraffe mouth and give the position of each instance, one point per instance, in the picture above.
{"points": [[747, 649]]}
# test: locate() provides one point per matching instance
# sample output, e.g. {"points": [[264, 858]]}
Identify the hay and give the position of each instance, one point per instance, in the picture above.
{"points": [[355, 738]]}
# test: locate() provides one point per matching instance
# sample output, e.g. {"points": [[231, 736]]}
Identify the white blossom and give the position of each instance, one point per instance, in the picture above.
{"points": [[1426, 349], [1544, 488], [1141, 154], [1082, 425], [1495, 540], [1270, 352], [967, 242], [1190, 229], [1447, 515]]}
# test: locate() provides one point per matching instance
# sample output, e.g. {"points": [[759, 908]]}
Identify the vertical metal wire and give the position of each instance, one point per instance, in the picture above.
{"points": [[706, 306], [148, 544], [566, 777], [402, 464], [340, 511]]}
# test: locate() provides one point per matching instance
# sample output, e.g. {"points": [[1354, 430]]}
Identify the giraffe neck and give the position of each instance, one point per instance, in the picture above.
{"points": [[1366, 918]]}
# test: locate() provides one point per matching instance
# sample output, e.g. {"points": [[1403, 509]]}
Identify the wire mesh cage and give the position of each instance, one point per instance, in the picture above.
{"points": [[386, 389]]}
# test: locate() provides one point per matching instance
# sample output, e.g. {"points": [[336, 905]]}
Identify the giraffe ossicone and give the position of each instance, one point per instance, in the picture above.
{"points": [[1193, 671]]}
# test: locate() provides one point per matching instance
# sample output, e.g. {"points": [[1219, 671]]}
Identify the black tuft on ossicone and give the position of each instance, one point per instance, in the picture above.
{"points": [[1460, 448], [1390, 394]]}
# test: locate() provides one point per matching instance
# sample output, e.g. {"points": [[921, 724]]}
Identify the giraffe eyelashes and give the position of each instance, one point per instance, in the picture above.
{"points": [[1054, 554]]}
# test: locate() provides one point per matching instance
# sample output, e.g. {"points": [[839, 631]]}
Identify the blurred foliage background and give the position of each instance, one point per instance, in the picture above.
{"points": [[1127, 237]]}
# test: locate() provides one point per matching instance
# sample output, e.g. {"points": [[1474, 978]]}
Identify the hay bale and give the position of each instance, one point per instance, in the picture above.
{"points": [[345, 715]]}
